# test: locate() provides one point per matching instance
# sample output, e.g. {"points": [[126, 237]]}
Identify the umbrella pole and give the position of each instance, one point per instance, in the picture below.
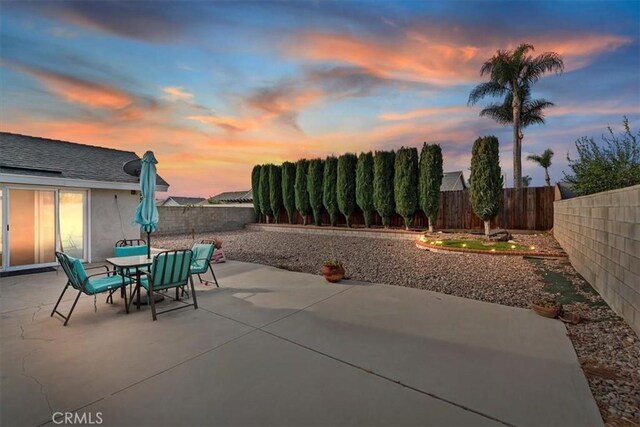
{"points": [[148, 244]]}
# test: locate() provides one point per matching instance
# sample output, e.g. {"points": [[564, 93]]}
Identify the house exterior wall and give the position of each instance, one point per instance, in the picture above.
{"points": [[111, 219], [601, 234], [198, 219]]}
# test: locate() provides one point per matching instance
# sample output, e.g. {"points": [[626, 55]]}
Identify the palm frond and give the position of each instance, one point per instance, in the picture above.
{"points": [[498, 112], [490, 88]]}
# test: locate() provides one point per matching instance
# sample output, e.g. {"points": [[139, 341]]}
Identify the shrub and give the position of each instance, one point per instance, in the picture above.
{"points": [[406, 183], [314, 188], [255, 188], [288, 189], [329, 183], [263, 185], [429, 181], [346, 185], [615, 164], [275, 190], [486, 179], [364, 186], [301, 193], [383, 164]]}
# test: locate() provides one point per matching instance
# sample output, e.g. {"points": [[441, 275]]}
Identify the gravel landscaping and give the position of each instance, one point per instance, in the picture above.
{"points": [[607, 347]]}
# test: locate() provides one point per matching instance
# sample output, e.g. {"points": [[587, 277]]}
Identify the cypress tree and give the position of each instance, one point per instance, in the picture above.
{"points": [[364, 186], [301, 193], [288, 189], [275, 190], [346, 185], [314, 188], [486, 179], [429, 181], [406, 183], [383, 164], [263, 186], [329, 183], [255, 189]]}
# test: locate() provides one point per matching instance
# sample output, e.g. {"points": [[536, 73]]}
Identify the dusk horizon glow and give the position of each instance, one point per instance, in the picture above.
{"points": [[214, 88]]}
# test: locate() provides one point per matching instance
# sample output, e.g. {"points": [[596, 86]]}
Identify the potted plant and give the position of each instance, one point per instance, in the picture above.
{"points": [[547, 307], [332, 270]]}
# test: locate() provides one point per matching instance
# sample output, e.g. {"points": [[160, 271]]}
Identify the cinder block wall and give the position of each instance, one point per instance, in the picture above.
{"points": [[601, 234], [182, 220]]}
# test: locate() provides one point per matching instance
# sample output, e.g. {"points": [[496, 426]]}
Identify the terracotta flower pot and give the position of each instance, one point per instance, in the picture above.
{"points": [[546, 309], [333, 273]]}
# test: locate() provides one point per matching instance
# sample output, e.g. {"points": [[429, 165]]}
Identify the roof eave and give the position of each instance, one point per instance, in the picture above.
{"points": [[75, 183]]}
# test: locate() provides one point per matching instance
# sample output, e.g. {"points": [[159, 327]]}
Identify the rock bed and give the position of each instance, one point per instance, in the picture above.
{"points": [[607, 347]]}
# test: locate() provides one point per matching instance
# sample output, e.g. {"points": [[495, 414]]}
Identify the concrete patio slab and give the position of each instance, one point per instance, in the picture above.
{"points": [[286, 385], [256, 296], [281, 348], [502, 361]]}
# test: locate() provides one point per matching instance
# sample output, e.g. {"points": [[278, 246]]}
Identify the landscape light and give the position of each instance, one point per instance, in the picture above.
{"points": [[513, 246], [532, 247], [493, 250], [464, 245]]}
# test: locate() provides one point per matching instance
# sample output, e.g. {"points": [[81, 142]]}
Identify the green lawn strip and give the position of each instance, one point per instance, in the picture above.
{"points": [[558, 284], [480, 245]]}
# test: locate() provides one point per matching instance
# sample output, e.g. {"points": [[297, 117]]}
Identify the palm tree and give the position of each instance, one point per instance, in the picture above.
{"points": [[526, 181], [543, 160], [511, 74]]}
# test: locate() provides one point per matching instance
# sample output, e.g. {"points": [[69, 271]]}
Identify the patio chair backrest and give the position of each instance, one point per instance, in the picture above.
{"points": [[69, 267], [171, 268], [130, 250], [201, 256], [131, 242]]}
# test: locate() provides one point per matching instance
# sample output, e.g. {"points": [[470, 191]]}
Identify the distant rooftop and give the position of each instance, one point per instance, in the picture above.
{"points": [[452, 181], [49, 158], [234, 197], [182, 201]]}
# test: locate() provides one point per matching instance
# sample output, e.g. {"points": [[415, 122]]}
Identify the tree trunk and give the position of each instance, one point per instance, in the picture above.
{"points": [[487, 227], [517, 140], [546, 177], [430, 225]]}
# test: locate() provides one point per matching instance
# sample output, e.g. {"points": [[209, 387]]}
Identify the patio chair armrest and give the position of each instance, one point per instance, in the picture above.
{"points": [[98, 266]]}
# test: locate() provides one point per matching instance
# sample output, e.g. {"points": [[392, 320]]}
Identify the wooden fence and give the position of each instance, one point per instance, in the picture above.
{"points": [[528, 209]]}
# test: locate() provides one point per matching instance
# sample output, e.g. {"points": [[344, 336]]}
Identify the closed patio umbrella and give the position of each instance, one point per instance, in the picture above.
{"points": [[147, 212]]}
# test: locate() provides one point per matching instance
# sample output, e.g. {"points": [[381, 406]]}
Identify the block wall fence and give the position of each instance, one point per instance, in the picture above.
{"points": [[601, 234], [199, 219]]}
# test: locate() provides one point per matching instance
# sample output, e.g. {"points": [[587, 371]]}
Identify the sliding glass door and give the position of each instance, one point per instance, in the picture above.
{"points": [[37, 221], [32, 227]]}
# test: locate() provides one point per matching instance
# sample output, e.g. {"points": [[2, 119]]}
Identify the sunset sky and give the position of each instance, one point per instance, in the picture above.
{"points": [[214, 88]]}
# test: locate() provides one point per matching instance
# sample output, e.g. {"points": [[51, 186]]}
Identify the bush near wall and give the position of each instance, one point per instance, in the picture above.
{"points": [[255, 186], [301, 193], [275, 190], [406, 183], [288, 189], [346, 185], [383, 188], [265, 198], [486, 179], [364, 186], [429, 181], [314, 188], [329, 185]]}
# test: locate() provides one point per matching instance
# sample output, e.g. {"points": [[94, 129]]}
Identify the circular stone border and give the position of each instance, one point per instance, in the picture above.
{"points": [[442, 249]]}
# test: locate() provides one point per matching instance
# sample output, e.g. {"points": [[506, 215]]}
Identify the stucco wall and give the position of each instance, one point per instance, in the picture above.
{"points": [[601, 234], [111, 220], [184, 220]]}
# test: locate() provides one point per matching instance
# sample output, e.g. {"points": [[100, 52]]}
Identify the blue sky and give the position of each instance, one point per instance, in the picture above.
{"points": [[216, 87]]}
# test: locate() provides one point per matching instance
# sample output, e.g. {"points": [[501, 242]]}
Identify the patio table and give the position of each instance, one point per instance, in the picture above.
{"points": [[137, 262]]}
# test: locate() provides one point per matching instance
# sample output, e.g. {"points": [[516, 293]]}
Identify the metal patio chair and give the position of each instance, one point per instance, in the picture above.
{"points": [[170, 269], [78, 279], [201, 262]]}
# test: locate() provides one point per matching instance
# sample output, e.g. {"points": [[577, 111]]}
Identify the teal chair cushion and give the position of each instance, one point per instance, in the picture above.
{"points": [[201, 255], [130, 250], [78, 269], [102, 284]]}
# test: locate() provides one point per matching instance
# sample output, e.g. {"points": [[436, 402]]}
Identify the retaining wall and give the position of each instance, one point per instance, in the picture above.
{"points": [[601, 234], [199, 219]]}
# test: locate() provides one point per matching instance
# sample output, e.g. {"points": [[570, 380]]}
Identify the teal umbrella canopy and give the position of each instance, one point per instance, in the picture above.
{"points": [[147, 212]]}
